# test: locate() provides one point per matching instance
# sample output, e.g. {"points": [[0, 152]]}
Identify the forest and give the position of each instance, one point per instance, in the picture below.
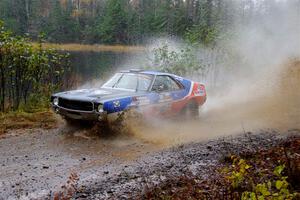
{"points": [[30, 72], [131, 21]]}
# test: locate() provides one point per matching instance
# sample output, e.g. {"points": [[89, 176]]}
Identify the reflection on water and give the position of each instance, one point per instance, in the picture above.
{"points": [[90, 65]]}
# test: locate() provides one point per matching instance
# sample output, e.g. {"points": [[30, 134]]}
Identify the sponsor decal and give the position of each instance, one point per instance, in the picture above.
{"points": [[143, 101], [200, 91], [165, 97], [117, 104]]}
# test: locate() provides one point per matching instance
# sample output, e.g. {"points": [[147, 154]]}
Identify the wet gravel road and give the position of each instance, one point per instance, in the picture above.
{"points": [[36, 164], [199, 158]]}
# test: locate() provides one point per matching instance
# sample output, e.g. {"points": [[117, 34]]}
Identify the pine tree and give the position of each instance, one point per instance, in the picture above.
{"points": [[112, 28]]}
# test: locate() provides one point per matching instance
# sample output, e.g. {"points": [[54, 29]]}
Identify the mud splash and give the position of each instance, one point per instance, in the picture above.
{"points": [[268, 101], [271, 103]]}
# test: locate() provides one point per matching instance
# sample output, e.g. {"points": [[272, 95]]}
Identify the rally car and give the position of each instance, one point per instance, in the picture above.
{"points": [[151, 93]]}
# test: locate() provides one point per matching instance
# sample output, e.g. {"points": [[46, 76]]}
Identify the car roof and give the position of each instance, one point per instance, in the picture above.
{"points": [[152, 72]]}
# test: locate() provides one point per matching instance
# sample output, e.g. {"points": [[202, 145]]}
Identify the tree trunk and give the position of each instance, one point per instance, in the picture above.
{"points": [[209, 9], [2, 88]]}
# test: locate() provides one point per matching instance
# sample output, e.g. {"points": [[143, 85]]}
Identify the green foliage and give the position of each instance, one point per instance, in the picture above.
{"points": [[131, 22], [202, 35], [116, 21], [251, 176], [276, 188], [278, 170], [28, 74], [61, 27], [183, 62], [112, 28], [240, 170]]}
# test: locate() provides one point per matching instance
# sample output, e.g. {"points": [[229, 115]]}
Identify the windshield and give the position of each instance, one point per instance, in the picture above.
{"points": [[130, 81]]}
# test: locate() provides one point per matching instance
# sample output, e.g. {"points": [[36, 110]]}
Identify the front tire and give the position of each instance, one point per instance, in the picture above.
{"points": [[70, 122], [77, 122]]}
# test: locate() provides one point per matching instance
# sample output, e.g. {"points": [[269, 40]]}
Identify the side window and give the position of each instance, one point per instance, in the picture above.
{"points": [[164, 83], [173, 85]]}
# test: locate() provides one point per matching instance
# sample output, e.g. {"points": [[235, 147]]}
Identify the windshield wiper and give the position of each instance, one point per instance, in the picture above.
{"points": [[117, 81]]}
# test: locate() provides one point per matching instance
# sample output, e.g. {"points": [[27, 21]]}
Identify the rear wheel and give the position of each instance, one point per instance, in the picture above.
{"points": [[191, 110]]}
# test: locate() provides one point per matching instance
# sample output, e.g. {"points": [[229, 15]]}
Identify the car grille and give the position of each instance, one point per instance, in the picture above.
{"points": [[75, 105]]}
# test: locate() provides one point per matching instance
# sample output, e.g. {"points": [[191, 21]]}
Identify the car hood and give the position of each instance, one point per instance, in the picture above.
{"points": [[95, 95]]}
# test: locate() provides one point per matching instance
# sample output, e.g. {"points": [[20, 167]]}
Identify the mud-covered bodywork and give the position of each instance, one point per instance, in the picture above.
{"points": [[156, 94]]}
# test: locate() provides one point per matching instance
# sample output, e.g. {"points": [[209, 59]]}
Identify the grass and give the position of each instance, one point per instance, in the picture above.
{"points": [[94, 48], [23, 120]]}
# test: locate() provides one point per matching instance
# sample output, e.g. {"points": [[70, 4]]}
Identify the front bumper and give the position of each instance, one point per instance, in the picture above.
{"points": [[80, 115]]}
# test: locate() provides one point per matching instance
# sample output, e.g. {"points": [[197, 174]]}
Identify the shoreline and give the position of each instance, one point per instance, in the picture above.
{"points": [[92, 48]]}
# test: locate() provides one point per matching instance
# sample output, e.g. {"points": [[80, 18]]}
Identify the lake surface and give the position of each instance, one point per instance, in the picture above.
{"points": [[93, 65], [90, 66]]}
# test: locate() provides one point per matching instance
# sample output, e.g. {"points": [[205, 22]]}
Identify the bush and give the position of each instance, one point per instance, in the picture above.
{"points": [[265, 174], [28, 73], [183, 62]]}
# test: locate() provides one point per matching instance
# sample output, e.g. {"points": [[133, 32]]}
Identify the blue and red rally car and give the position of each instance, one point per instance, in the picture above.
{"points": [[151, 93]]}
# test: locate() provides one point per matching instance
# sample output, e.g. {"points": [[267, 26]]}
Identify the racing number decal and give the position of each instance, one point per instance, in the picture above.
{"points": [[199, 90], [143, 100]]}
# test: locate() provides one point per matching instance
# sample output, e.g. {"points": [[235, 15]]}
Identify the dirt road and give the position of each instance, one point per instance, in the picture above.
{"points": [[37, 162], [35, 165]]}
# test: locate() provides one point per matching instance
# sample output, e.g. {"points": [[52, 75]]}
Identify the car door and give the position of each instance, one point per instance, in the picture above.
{"points": [[165, 90]]}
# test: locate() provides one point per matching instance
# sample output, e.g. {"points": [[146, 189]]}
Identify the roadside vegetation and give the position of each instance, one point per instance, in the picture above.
{"points": [[93, 48], [22, 120], [28, 76], [265, 174]]}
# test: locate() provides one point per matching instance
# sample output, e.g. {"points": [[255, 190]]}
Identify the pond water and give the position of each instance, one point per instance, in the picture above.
{"points": [[97, 65]]}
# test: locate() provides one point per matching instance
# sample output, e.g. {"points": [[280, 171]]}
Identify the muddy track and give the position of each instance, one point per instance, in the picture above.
{"points": [[129, 181], [35, 165], [38, 162]]}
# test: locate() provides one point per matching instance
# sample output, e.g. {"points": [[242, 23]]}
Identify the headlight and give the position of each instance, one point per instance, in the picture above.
{"points": [[55, 101], [100, 108]]}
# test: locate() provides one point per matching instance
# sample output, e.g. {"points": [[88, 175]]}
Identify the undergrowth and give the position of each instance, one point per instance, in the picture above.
{"points": [[265, 174], [20, 120]]}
